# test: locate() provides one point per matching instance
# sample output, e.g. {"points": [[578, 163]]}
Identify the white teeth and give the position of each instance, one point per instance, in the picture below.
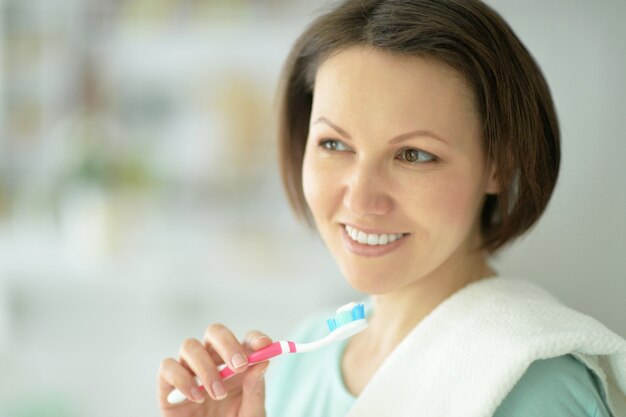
{"points": [[372, 239]]}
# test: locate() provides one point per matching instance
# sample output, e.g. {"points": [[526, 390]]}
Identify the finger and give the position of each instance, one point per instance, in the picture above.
{"points": [[253, 391], [198, 360], [256, 340], [226, 345], [172, 375]]}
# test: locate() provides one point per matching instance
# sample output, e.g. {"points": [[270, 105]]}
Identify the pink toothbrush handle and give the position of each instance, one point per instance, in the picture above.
{"points": [[261, 355]]}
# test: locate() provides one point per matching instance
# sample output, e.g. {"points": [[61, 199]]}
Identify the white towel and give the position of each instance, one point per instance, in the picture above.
{"points": [[465, 357]]}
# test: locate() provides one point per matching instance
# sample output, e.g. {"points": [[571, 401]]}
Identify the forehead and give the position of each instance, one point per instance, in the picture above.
{"points": [[366, 84]]}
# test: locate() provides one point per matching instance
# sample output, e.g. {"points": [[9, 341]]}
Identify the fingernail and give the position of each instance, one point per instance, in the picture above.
{"points": [[238, 360], [218, 390], [259, 338], [197, 395]]}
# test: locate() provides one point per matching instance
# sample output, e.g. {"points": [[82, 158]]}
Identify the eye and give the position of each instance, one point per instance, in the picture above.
{"points": [[415, 156], [333, 145]]}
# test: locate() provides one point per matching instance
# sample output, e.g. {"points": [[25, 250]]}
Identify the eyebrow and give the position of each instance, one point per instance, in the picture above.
{"points": [[396, 139]]}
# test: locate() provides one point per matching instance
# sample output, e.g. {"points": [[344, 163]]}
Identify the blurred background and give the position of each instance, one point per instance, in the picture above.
{"points": [[140, 198]]}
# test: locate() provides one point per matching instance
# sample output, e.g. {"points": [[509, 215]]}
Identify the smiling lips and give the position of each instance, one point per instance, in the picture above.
{"points": [[372, 239], [371, 244]]}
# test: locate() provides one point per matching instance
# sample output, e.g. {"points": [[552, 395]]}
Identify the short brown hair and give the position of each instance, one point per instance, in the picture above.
{"points": [[519, 122]]}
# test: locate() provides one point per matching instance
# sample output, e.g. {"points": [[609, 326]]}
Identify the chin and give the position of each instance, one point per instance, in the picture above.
{"points": [[370, 283]]}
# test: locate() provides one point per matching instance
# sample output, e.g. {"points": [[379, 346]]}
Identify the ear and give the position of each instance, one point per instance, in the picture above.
{"points": [[493, 184]]}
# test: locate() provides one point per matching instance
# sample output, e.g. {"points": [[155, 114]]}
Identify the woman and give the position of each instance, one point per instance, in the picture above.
{"points": [[419, 138]]}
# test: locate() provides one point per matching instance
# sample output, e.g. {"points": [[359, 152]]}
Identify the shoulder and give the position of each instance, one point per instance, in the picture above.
{"points": [[560, 386]]}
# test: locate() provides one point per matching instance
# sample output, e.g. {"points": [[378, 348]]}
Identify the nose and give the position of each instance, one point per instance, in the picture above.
{"points": [[365, 193]]}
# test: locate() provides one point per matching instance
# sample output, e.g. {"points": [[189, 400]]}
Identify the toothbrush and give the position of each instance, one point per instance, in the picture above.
{"points": [[349, 320]]}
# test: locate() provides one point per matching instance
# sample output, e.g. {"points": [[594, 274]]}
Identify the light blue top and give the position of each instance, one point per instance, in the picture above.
{"points": [[311, 384]]}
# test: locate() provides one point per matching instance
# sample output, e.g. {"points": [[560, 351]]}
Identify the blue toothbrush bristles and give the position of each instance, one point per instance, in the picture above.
{"points": [[358, 312], [347, 316], [332, 324]]}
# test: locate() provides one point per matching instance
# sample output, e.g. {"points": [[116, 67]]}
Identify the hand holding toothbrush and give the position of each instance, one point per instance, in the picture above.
{"points": [[243, 395], [221, 346]]}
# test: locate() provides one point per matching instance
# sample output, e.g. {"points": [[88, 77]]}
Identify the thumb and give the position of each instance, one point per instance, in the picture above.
{"points": [[253, 391]]}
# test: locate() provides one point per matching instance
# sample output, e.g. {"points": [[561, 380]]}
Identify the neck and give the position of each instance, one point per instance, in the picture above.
{"points": [[396, 314]]}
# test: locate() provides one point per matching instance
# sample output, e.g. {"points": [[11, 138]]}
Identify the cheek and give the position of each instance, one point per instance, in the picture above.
{"points": [[445, 202], [317, 185], [309, 183]]}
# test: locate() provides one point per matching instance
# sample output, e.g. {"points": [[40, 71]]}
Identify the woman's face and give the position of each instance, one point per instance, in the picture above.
{"points": [[394, 148]]}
